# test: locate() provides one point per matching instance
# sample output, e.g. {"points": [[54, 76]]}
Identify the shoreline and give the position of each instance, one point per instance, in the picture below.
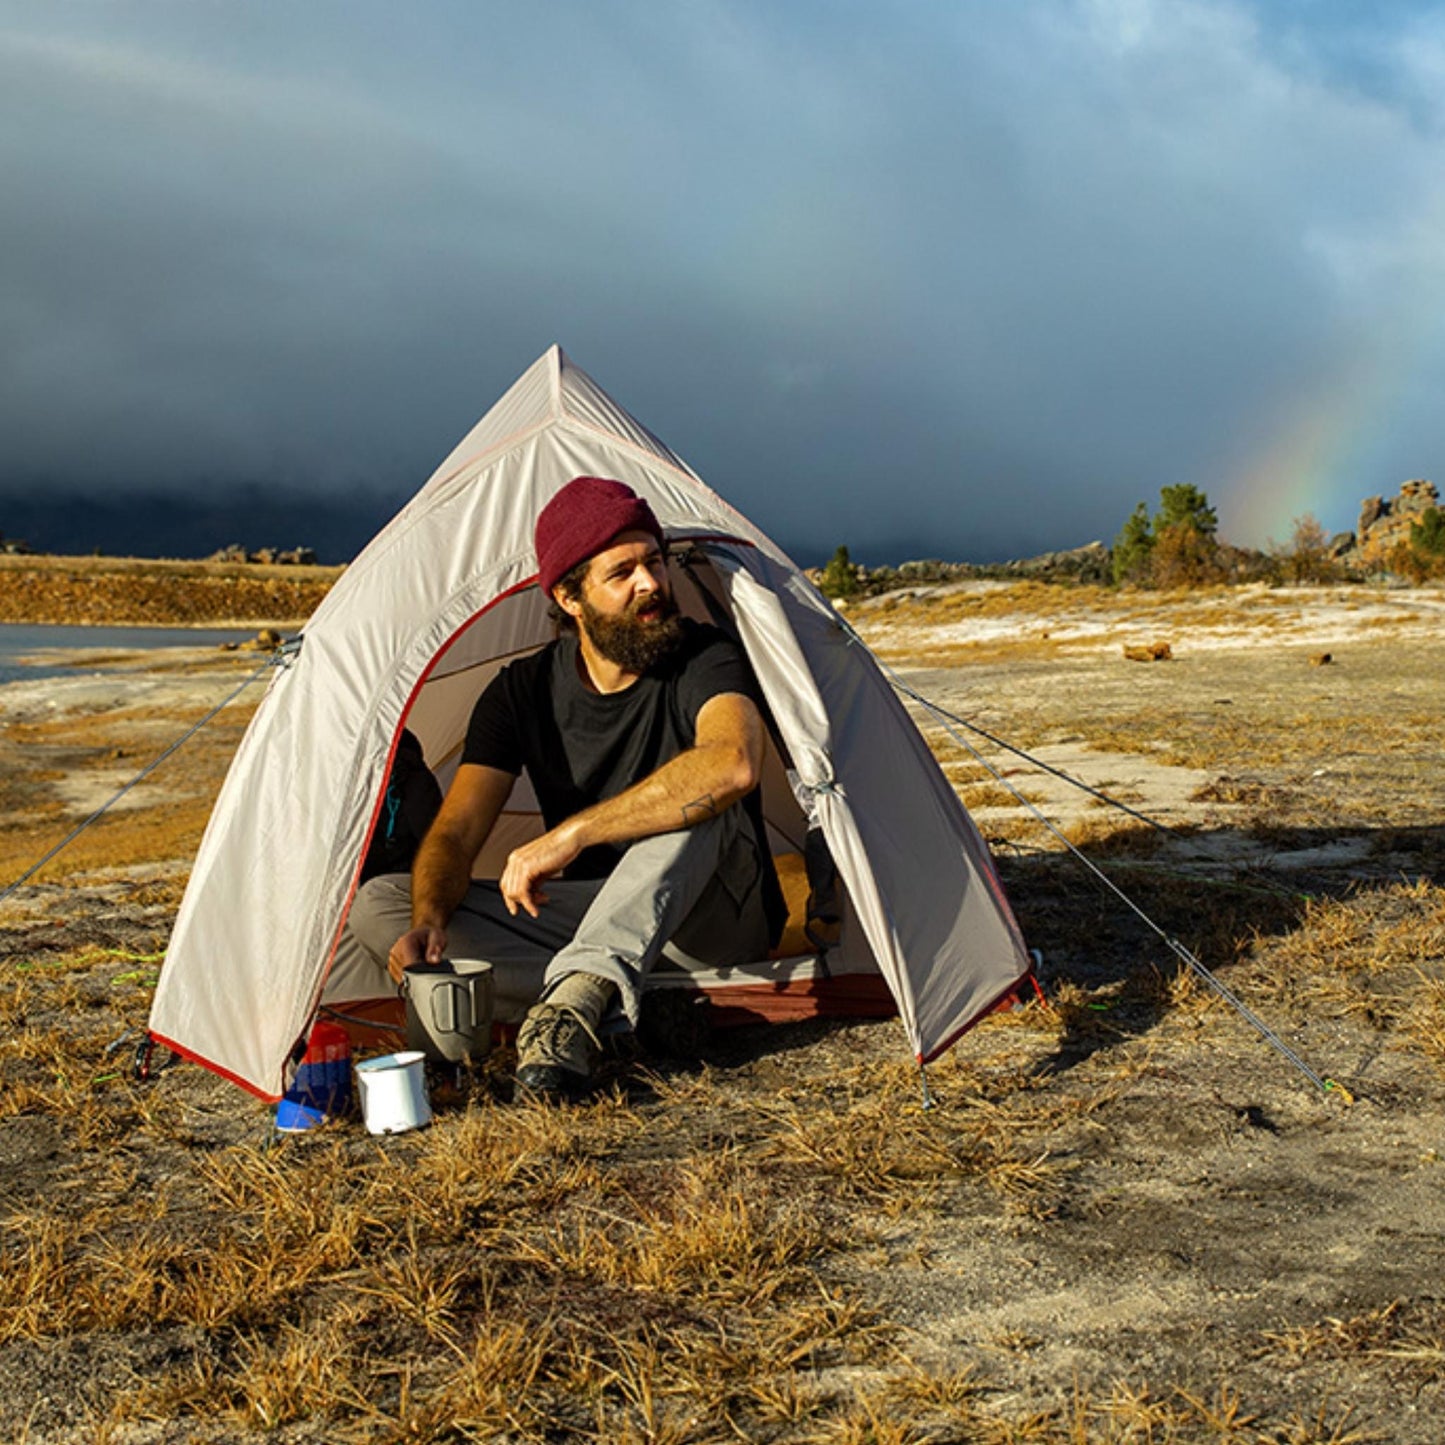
{"points": [[286, 626], [53, 591], [151, 624]]}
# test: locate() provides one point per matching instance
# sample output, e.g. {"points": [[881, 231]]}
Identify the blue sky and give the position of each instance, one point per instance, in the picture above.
{"points": [[930, 279]]}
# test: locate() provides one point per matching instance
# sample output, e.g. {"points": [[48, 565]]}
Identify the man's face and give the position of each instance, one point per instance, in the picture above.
{"points": [[625, 607]]}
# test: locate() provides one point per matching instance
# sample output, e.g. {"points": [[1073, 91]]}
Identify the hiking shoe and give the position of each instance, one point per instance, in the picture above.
{"points": [[557, 1051]]}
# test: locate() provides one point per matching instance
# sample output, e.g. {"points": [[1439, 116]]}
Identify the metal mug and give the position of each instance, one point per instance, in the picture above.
{"points": [[393, 1093], [449, 1009]]}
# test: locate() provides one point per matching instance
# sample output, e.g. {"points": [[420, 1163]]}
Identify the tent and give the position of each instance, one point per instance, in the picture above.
{"points": [[411, 633]]}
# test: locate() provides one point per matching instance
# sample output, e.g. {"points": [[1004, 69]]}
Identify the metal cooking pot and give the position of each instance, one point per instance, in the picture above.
{"points": [[449, 1009]]}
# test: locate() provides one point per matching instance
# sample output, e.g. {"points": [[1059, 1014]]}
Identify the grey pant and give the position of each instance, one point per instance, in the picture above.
{"points": [[694, 895]]}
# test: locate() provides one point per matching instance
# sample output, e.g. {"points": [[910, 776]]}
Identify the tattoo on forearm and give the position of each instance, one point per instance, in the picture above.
{"points": [[699, 810]]}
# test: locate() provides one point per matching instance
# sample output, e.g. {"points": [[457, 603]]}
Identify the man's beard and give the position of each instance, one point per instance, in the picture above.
{"points": [[630, 642]]}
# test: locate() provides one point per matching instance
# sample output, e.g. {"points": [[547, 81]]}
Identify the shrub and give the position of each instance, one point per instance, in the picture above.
{"points": [[840, 576], [1420, 557], [1183, 556], [1427, 536]]}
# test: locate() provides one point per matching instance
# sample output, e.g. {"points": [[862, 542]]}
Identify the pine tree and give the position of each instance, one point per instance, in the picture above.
{"points": [[1185, 552], [1185, 505], [1174, 548], [840, 576], [1132, 547]]}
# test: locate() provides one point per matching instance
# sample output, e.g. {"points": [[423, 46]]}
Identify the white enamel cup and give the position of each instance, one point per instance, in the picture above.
{"points": [[393, 1092]]}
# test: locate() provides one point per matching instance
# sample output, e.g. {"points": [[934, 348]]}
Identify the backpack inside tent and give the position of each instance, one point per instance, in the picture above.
{"points": [[440, 600]]}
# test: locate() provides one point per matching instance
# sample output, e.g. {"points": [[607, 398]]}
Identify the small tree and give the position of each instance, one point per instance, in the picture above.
{"points": [[1176, 548], [1130, 560], [1307, 558], [840, 576], [1183, 556]]}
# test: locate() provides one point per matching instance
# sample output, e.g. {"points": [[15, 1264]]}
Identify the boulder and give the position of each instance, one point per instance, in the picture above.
{"points": [[1417, 496], [1385, 523]]}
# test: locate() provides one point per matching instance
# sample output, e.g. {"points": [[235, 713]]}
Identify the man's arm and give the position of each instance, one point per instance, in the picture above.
{"points": [[442, 869], [723, 765]]}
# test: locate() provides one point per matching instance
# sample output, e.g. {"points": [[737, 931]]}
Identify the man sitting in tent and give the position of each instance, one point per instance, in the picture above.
{"points": [[642, 736]]}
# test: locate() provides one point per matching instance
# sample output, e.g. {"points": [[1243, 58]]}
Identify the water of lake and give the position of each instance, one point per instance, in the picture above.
{"points": [[17, 641]]}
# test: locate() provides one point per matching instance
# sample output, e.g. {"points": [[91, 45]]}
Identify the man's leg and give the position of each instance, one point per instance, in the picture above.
{"points": [[519, 949], [699, 885]]}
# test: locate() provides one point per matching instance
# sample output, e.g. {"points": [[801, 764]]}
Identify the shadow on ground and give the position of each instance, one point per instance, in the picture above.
{"points": [[1108, 974], [1092, 941]]}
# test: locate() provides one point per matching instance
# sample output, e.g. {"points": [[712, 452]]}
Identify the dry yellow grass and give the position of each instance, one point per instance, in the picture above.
{"points": [[536, 1274], [265, 1235], [780, 1244], [41, 755]]}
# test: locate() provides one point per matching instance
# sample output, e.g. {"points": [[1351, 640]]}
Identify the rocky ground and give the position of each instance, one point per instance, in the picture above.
{"points": [[1129, 1218]]}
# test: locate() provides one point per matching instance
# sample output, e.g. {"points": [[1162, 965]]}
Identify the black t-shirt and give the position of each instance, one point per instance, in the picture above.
{"points": [[581, 747]]}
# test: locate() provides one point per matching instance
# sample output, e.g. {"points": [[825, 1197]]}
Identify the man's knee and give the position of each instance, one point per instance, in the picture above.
{"points": [[685, 852]]}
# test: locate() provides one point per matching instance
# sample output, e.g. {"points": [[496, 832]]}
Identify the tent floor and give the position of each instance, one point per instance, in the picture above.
{"points": [[379, 1022]]}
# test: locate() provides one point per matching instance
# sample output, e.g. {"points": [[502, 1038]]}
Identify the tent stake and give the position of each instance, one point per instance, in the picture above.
{"points": [[928, 1100]]}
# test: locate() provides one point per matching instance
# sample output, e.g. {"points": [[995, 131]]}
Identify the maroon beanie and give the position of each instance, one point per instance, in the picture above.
{"points": [[581, 520]]}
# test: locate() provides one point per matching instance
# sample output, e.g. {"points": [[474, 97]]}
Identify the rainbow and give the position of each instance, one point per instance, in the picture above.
{"points": [[1333, 445], [1309, 463], [1323, 454]]}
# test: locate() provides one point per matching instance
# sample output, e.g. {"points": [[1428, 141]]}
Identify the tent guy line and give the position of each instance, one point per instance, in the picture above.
{"points": [[942, 712], [279, 659], [1324, 1085]]}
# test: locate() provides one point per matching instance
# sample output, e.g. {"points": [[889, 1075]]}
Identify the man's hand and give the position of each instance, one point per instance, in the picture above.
{"points": [[529, 866], [421, 945]]}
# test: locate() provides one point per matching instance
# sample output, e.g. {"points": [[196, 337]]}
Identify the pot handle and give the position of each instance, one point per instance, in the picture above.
{"points": [[446, 1013]]}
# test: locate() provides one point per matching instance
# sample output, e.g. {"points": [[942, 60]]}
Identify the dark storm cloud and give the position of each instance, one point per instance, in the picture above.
{"points": [[959, 279]]}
